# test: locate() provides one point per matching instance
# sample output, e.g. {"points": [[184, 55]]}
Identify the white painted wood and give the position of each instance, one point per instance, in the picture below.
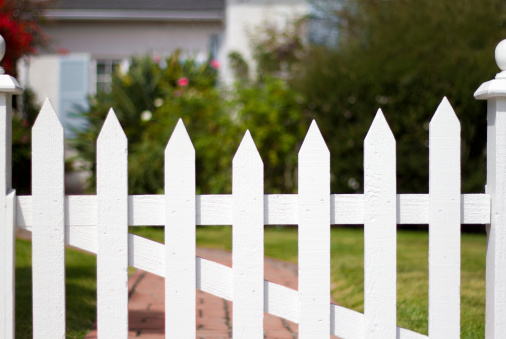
{"points": [[279, 209], [112, 230], [248, 240], [380, 231], [48, 235], [314, 236], [495, 326], [180, 298], [444, 223], [217, 279], [345, 323], [7, 268]]}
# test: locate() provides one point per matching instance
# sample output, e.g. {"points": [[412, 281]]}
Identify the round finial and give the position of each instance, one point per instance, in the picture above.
{"points": [[2, 47], [500, 55], [2, 51]]}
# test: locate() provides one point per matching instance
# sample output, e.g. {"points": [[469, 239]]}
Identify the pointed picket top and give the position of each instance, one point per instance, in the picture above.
{"points": [[247, 150], [179, 142], [111, 129], [445, 118], [47, 119], [313, 141], [379, 130]]}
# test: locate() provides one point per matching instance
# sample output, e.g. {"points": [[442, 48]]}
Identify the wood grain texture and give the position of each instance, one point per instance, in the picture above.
{"points": [[217, 279], [112, 230], [380, 231], [248, 240], [279, 209], [444, 223], [48, 235], [180, 298], [314, 236], [495, 326]]}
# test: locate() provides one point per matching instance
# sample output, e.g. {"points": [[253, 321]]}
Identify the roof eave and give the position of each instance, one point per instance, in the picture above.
{"points": [[134, 15]]}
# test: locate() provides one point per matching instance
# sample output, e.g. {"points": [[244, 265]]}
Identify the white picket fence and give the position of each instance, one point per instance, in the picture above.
{"points": [[99, 224]]}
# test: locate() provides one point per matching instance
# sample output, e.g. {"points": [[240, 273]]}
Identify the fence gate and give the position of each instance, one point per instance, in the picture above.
{"points": [[99, 224]]}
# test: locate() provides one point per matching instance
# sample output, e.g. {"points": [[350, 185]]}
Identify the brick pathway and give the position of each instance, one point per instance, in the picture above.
{"points": [[214, 315]]}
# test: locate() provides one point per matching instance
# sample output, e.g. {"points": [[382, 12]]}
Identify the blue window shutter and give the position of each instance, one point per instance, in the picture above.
{"points": [[74, 90]]}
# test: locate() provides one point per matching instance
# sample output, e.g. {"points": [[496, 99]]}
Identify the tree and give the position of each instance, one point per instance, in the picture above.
{"points": [[19, 26], [403, 56]]}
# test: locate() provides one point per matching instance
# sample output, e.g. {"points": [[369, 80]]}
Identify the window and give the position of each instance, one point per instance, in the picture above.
{"points": [[104, 71]]}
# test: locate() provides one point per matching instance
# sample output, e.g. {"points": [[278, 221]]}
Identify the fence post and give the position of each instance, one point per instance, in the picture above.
{"points": [[8, 87], [494, 91]]}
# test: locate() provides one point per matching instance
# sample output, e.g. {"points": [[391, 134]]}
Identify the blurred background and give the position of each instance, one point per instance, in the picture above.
{"points": [[270, 66], [267, 65]]}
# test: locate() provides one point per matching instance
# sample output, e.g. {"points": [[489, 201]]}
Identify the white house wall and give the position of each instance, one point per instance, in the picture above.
{"points": [[244, 17], [124, 39], [42, 75]]}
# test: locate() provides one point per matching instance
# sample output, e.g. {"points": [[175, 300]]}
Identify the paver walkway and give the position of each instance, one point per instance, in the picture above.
{"points": [[214, 315]]}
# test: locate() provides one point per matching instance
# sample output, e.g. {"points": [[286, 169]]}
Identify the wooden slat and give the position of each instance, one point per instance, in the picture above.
{"points": [[112, 230], [7, 265], [180, 298], [380, 229], [444, 224], [248, 240], [217, 279], [279, 209], [48, 236], [314, 236]]}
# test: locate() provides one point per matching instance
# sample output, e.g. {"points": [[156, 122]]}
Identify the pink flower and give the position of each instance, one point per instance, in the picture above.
{"points": [[156, 58], [183, 82], [215, 64]]}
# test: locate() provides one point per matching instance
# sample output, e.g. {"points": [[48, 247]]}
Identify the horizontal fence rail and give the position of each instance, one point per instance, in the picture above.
{"points": [[99, 224], [279, 209]]}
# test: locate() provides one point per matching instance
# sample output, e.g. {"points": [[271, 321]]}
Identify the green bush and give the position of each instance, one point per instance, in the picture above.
{"points": [[149, 100]]}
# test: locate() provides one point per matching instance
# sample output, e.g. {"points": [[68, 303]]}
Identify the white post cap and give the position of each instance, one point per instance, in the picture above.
{"points": [[2, 52], [497, 87], [8, 84]]}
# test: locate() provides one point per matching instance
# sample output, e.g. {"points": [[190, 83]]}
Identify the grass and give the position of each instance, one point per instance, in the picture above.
{"points": [[281, 243], [347, 270], [80, 291]]}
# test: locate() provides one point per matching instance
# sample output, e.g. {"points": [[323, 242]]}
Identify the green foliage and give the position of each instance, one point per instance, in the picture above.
{"points": [[403, 56], [149, 100], [22, 122]]}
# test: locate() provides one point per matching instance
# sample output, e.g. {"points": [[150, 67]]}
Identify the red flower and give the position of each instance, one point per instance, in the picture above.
{"points": [[62, 51], [183, 82]]}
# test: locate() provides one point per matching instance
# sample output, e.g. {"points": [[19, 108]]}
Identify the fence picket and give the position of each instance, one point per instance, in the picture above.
{"points": [[314, 236], [444, 223], [48, 233], [112, 230], [380, 229], [180, 228], [248, 240]]}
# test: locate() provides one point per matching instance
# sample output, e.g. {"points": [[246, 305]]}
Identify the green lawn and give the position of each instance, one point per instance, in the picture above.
{"points": [[80, 290], [347, 276]]}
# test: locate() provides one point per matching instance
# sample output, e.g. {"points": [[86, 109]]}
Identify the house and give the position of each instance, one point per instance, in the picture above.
{"points": [[93, 36]]}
